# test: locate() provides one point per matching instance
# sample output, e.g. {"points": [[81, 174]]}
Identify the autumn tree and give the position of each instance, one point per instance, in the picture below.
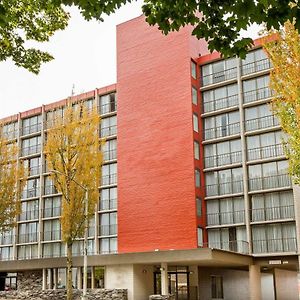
{"points": [[284, 54], [11, 172], [74, 159]]}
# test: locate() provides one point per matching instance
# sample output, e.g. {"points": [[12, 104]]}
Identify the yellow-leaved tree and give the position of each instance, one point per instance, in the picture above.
{"points": [[284, 53], [74, 161], [11, 173]]}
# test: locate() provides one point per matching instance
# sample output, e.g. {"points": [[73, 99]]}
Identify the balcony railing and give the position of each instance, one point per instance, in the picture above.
{"points": [[223, 218], [109, 155], [230, 187], [223, 159], [270, 182], [272, 213], [31, 150], [275, 245], [261, 123], [31, 129], [52, 235], [29, 215], [108, 204], [258, 94], [220, 103], [265, 152], [28, 237], [221, 131], [219, 76], [108, 131], [52, 212], [108, 108], [256, 66], [109, 179], [30, 193], [234, 246], [105, 230], [50, 190]]}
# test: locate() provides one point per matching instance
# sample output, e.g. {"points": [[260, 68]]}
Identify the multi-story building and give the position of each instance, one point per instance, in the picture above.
{"points": [[196, 199]]}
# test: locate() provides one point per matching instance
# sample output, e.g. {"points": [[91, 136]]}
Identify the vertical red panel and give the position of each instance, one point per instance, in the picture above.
{"points": [[156, 185]]}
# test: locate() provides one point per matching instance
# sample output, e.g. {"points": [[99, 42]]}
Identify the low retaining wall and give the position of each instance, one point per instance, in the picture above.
{"points": [[97, 294]]}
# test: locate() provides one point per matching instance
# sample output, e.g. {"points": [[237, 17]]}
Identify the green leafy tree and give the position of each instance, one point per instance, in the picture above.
{"points": [[28, 20], [284, 53]]}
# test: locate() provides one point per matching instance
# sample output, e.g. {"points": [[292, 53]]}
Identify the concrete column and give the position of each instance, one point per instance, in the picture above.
{"points": [[50, 279], [92, 277], [44, 283], [164, 279], [254, 282], [79, 278], [55, 278]]}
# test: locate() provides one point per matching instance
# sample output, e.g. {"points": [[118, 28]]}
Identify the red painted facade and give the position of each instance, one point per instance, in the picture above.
{"points": [[156, 183]]}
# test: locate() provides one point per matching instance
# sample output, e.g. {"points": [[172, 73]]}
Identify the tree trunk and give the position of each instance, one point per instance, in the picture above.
{"points": [[69, 272]]}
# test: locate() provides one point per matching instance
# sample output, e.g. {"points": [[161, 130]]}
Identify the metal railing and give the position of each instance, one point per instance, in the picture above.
{"points": [[258, 94], [223, 159], [108, 108], [230, 187], [275, 245], [109, 179], [108, 131], [29, 215], [109, 155], [31, 150], [52, 235], [270, 182], [265, 152], [31, 128], [223, 218], [256, 66], [108, 204], [220, 103], [28, 237], [221, 131], [238, 246], [52, 212], [272, 213], [105, 230], [261, 123], [219, 76]]}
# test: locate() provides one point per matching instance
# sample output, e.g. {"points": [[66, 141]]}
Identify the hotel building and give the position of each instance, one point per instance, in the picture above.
{"points": [[196, 199]]}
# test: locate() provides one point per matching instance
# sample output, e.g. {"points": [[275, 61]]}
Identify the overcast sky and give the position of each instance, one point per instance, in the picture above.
{"points": [[85, 56]]}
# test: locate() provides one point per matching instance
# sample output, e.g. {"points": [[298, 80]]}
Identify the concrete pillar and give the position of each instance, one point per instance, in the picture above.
{"points": [[92, 277], [44, 283], [55, 278], [194, 282], [164, 279], [254, 282], [50, 279], [79, 278]]}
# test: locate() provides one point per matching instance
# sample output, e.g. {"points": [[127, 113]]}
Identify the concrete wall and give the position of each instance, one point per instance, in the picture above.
{"points": [[143, 281], [286, 285]]}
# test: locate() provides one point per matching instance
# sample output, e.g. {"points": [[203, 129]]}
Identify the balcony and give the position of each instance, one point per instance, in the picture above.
{"points": [[110, 204], [29, 215], [221, 103], [109, 155], [108, 108], [238, 246], [258, 94], [261, 123], [256, 66], [106, 230], [224, 218], [272, 213], [223, 159], [221, 131], [28, 237], [31, 150], [53, 235], [270, 182], [230, 187], [219, 76], [265, 152], [31, 129], [109, 179], [30, 193], [275, 245], [108, 131]]}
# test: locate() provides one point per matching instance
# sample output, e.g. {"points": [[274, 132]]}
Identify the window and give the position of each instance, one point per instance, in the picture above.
{"points": [[109, 198], [109, 174], [31, 188], [33, 166], [53, 116], [196, 150], [108, 103], [49, 186], [255, 61], [52, 230], [108, 224], [200, 236], [31, 125], [108, 245], [194, 96], [194, 69], [108, 126], [28, 232], [10, 130], [195, 122], [27, 251], [52, 207], [217, 287], [31, 146], [256, 89], [199, 207], [29, 210], [197, 178], [54, 250], [109, 150]]}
